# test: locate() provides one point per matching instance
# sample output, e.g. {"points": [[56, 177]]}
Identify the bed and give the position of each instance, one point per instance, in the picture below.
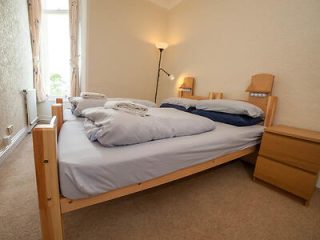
{"points": [[67, 185]]}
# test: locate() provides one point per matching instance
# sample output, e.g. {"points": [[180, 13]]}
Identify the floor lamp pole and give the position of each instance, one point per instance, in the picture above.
{"points": [[158, 77]]}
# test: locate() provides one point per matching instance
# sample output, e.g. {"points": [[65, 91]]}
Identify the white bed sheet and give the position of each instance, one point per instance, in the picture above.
{"points": [[87, 169], [68, 116]]}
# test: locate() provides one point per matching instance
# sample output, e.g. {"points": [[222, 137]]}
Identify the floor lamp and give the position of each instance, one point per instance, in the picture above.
{"points": [[161, 46]]}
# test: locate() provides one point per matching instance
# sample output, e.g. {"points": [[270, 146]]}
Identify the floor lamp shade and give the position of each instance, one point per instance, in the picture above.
{"points": [[162, 45]]}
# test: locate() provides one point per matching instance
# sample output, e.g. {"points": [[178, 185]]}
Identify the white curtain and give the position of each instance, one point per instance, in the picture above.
{"points": [[74, 36], [34, 10]]}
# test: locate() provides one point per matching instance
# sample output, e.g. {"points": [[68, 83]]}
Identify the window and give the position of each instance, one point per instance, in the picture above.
{"points": [[55, 47]]}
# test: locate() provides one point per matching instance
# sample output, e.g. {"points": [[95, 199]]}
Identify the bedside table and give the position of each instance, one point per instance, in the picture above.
{"points": [[289, 158]]}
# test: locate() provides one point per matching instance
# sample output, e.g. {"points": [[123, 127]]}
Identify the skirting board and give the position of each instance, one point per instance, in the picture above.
{"points": [[16, 139]]}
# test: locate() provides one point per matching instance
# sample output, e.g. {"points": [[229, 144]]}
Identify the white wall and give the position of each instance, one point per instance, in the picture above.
{"points": [[223, 43], [121, 56]]}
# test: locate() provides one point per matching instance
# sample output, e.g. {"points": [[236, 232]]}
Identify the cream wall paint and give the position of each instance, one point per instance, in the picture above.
{"points": [[168, 4], [121, 56], [15, 63], [223, 43]]}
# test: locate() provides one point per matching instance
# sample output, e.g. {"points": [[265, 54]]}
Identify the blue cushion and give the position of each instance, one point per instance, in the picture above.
{"points": [[182, 108], [232, 119]]}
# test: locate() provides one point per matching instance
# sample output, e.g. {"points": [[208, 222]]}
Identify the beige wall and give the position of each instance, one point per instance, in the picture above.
{"points": [[15, 63], [223, 43], [121, 56]]}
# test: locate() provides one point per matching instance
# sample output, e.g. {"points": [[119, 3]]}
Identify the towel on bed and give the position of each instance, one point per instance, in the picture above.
{"points": [[143, 102], [116, 128], [92, 95], [128, 107]]}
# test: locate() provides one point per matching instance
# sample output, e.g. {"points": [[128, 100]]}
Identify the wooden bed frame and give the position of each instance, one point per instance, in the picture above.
{"points": [[53, 205]]}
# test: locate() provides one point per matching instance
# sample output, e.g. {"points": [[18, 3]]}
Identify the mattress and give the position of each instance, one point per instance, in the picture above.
{"points": [[87, 169]]}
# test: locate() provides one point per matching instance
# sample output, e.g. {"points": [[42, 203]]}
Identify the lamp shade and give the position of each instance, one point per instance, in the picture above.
{"points": [[171, 77], [161, 45]]}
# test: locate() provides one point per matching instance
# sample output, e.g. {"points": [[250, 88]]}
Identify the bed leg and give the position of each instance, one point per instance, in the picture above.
{"points": [[45, 158]]}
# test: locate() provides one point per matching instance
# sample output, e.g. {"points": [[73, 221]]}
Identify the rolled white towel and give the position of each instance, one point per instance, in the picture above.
{"points": [[128, 107], [92, 95]]}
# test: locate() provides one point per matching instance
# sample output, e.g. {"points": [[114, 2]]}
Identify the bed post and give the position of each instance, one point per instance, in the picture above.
{"points": [[59, 100], [45, 159], [215, 95], [270, 111], [57, 110]]}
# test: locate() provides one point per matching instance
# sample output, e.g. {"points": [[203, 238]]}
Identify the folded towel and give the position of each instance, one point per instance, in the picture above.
{"points": [[144, 102], [92, 95], [128, 107]]}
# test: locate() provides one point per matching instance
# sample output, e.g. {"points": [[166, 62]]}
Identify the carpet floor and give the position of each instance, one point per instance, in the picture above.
{"points": [[222, 203]]}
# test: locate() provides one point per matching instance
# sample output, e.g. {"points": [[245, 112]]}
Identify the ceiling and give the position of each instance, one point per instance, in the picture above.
{"points": [[168, 4]]}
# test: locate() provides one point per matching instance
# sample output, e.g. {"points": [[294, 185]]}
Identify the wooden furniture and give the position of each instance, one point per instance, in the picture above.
{"points": [[187, 87], [259, 89], [52, 205], [186, 90], [289, 158]]}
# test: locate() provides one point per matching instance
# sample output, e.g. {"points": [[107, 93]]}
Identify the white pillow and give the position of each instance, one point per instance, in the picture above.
{"points": [[230, 106], [185, 102], [146, 103], [79, 104], [74, 102]]}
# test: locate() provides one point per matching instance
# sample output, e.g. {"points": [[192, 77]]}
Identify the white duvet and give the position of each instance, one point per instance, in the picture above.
{"points": [[117, 128]]}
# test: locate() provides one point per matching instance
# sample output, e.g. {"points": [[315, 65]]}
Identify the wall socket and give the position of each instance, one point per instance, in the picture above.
{"points": [[10, 130]]}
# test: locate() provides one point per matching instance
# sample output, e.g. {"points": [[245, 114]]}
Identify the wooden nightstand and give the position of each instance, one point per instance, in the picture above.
{"points": [[289, 158]]}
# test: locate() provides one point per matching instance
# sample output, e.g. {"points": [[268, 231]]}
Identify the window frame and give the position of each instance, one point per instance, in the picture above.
{"points": [[46, 12]]}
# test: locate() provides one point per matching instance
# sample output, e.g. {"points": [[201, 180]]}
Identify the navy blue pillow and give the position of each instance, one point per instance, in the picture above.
{"points": [[232, 119], [182, 108]]}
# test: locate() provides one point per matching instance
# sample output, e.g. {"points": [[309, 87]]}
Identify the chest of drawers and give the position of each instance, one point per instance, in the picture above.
{"points": [[289, 158]]}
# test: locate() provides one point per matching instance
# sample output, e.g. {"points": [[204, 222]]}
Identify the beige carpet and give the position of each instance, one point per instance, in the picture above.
{"points": [[222, 203]]}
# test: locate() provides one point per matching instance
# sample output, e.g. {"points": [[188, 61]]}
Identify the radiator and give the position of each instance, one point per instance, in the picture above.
{"points": [[31, 107]]}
